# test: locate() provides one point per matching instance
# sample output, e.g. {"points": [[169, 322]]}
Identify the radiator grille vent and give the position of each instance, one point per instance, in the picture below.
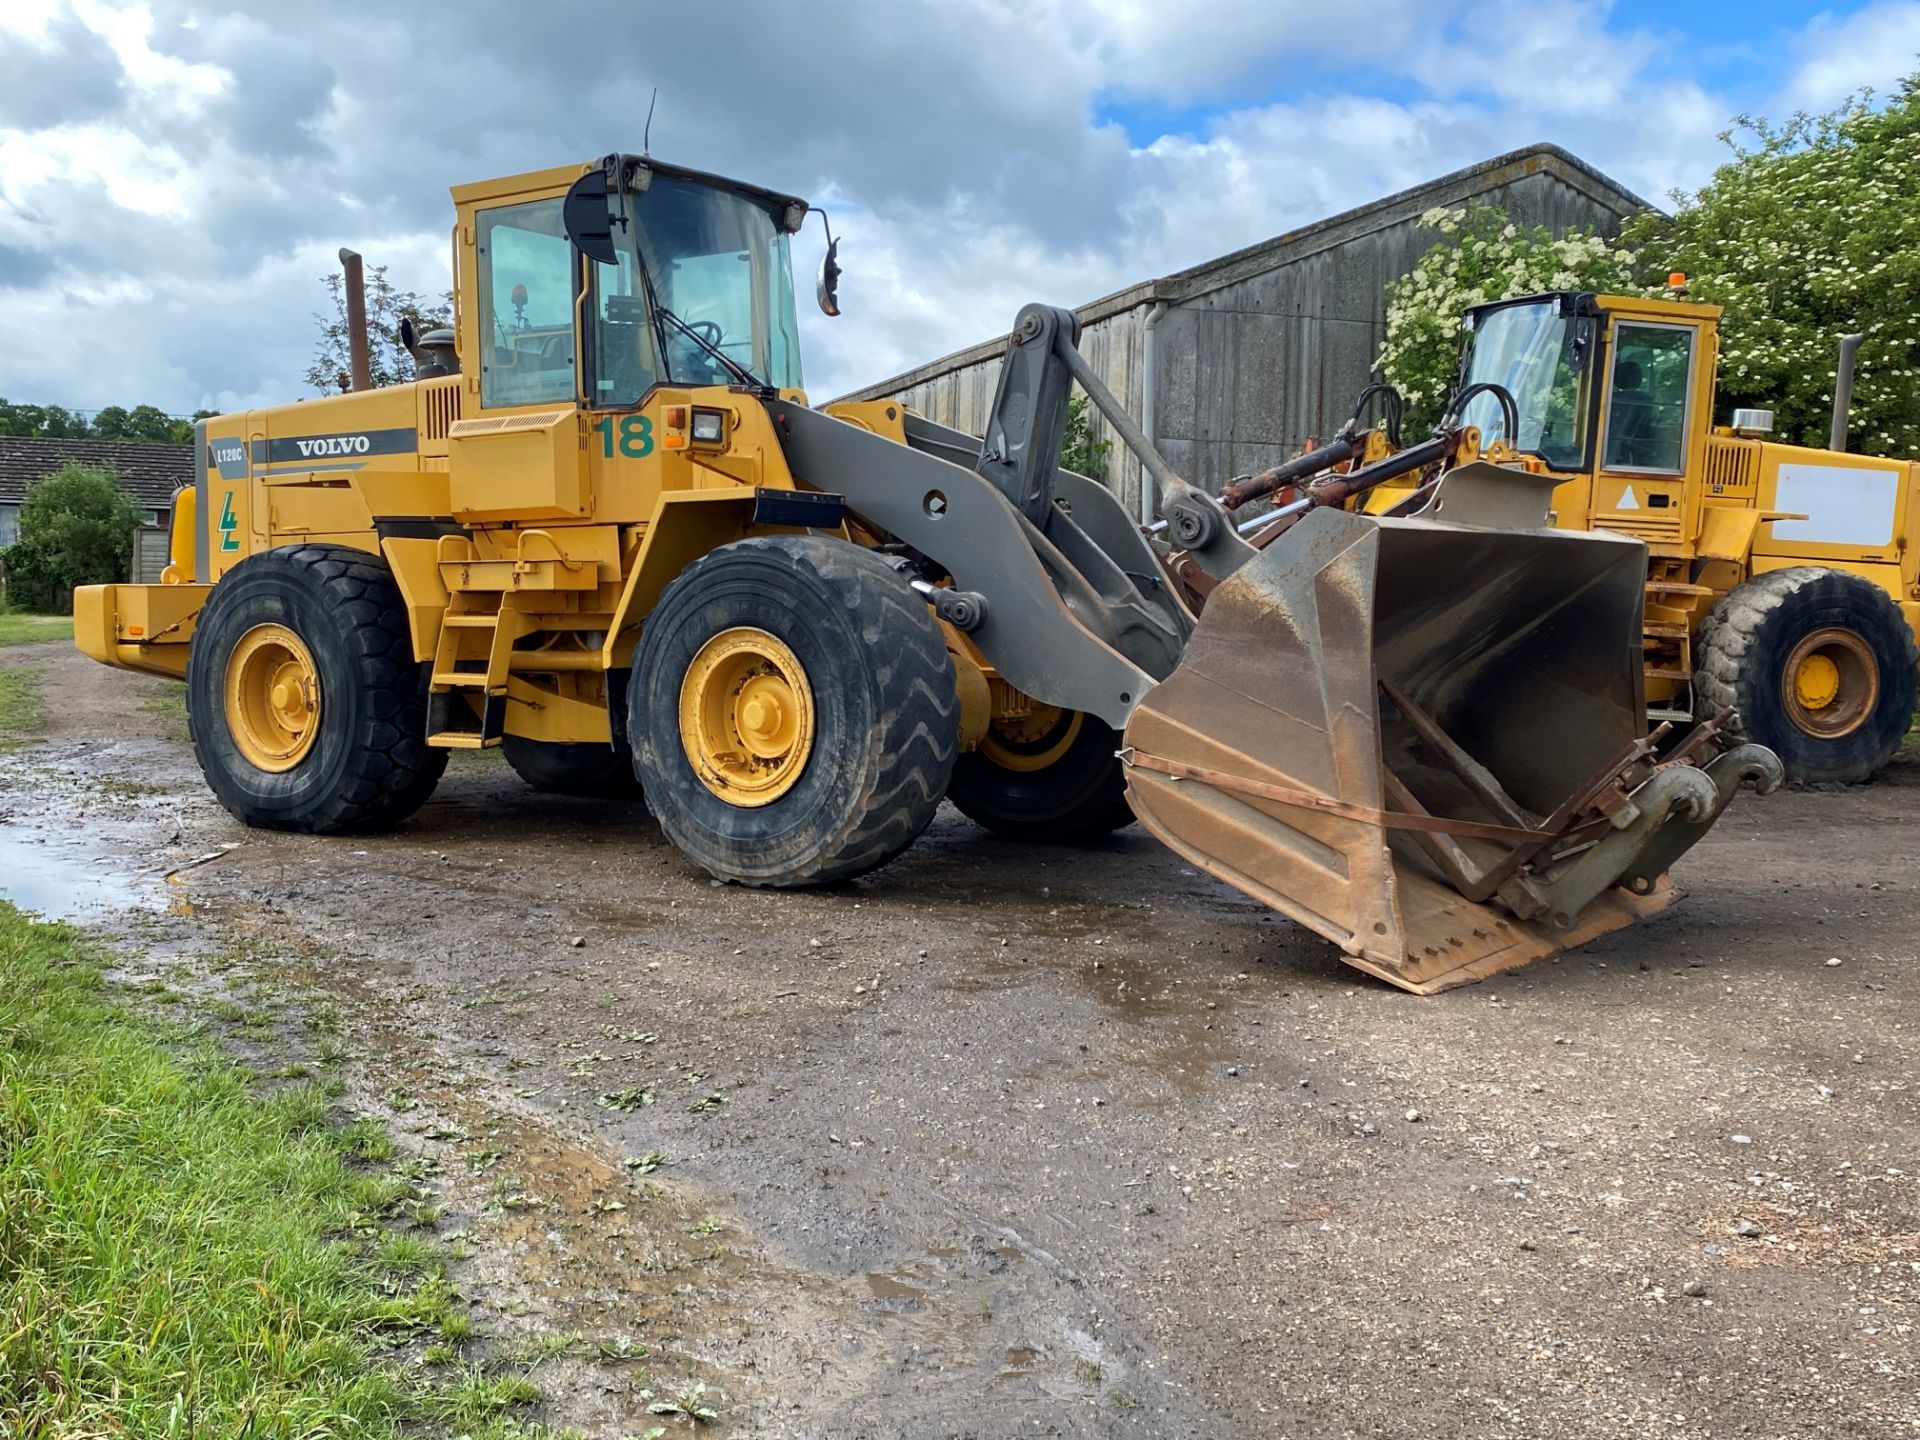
{"points": [[443, 410], [1731, 465]]}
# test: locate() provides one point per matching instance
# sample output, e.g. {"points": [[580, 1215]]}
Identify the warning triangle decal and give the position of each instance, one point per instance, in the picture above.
{"points": [[1627, 502]]}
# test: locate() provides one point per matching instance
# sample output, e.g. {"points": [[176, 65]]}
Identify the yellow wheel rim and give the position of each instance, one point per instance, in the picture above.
{"points": [[1831, 683], [746, 717], [1032, 741], [272, 696]]}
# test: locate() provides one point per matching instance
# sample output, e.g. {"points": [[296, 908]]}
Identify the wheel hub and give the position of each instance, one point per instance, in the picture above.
{"points": [[1033, 740], [272, 696], [746, 716], [1830, 684]]}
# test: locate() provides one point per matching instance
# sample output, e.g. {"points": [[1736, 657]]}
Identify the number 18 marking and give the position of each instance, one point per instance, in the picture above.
{"points": [[636, 436]]}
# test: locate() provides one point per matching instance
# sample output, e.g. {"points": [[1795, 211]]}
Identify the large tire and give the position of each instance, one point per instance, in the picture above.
{"points": [[1842, 631], [359, 760], [589, 772], [1059, 782], [879, 700]]}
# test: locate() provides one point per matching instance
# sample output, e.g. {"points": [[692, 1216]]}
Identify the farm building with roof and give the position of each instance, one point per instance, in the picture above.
{"points": [[1230, 366], [149, 473]]}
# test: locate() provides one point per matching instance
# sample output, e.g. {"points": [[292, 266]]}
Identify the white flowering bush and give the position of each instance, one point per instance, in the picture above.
{"points": [[1810, 232], [1480, 256]]}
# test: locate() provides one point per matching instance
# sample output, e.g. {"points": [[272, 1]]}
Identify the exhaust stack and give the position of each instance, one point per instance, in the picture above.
{"points": [[1843, 390], [359, 356]]}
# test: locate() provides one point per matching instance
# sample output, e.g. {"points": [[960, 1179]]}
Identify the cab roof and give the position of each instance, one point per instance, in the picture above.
{"points": [[557, 178], [1586, 302]]}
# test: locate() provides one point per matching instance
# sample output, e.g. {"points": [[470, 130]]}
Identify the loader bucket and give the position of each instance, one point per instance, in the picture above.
{"points": [[1361, 677]]}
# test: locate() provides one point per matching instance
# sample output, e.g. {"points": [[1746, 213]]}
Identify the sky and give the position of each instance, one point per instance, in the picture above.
{"points": [[175, 178]]}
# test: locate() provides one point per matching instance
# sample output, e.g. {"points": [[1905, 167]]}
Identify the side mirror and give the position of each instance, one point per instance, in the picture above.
{"points": [[588, 219], [409, 341], [1580, 342], [827, 288]]}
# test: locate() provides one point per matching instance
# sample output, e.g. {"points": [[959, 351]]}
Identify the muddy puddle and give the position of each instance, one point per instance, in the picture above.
{"points": [[58, 878]]}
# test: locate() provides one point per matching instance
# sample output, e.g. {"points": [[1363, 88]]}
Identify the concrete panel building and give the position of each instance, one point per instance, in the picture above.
{"points": [[1231, 365]]}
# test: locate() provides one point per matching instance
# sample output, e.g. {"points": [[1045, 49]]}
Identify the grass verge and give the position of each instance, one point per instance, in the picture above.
{"points": [[181, 1255], [19, 705], [19, 628], [169, 702]]}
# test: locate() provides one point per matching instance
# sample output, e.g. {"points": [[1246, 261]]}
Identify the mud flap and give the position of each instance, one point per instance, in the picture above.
{"points": [[1518, 649]]}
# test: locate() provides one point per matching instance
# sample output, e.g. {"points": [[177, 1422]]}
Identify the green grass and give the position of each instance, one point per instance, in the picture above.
{"points": [[170, 700], [19, 706], [182, 1256], [18, 628]]}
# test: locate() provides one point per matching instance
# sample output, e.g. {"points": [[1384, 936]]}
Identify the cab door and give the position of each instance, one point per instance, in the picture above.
{"points": [[1650, 426], [520, 459]]}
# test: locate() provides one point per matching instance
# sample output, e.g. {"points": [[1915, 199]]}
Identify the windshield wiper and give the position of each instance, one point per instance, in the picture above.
{"points": [[660, 312], [734, 367]]}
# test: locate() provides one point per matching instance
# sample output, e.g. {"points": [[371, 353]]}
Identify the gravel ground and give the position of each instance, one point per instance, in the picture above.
{"points": [[1004, 1140]]}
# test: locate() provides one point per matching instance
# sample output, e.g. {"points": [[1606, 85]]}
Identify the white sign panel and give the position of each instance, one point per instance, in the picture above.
{"points": [[1843, 506]]}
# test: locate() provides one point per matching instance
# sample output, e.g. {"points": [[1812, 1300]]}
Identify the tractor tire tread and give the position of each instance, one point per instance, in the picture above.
{"points": [[1725, 660], [1078, 800], [914, 736], [585, 772], [393, 769]]}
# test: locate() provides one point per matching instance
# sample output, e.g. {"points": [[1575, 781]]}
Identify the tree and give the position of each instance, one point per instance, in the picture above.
{"points": [[1079, 451], [46, 421], [76, 528], [1481, 256], [387, 306], [1809, 233], [145, 424]]}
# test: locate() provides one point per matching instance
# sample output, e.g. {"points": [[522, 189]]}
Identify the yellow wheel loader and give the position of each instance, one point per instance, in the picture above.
{"points": [[1781, 584], [604, 531]]}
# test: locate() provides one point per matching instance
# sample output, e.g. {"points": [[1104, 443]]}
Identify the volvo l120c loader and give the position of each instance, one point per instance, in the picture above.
{"points": [[603, 531], [1782, 583]]}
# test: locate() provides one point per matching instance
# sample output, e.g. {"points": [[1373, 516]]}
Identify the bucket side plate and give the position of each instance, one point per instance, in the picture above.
{"points": [[1279, 687]]}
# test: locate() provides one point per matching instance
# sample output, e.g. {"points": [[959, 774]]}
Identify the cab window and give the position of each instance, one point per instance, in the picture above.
{"points": [[1647, 399], [626, 360], [526, 305]]}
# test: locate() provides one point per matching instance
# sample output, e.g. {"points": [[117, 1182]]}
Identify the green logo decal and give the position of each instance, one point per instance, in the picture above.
{"points": [[228, 524]]}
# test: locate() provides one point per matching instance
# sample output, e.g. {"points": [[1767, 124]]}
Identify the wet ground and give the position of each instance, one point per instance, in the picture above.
{"points": [[1004, 1140]]}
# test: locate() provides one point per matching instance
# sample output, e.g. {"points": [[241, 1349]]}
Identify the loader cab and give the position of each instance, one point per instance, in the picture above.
{"points": [[594, 288], [1612, 391]]}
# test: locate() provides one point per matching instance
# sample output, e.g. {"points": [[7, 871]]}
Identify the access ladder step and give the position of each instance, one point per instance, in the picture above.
{"points": [[450, 719]]}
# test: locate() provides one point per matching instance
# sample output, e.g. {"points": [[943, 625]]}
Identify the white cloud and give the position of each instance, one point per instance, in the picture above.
{"points": [[29, 19], [174, 179], [129, 30], [1183, 52], [1874, 46]]}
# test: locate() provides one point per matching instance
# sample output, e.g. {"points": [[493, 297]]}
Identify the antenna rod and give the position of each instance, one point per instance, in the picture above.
{"points": [[646, 135]]}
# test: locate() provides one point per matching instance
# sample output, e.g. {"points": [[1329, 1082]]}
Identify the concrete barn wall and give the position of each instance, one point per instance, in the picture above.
{"points": [[1262, 349]]}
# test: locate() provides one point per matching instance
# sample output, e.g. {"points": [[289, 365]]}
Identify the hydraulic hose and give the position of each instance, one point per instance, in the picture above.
{"points": [[1509, 412]]}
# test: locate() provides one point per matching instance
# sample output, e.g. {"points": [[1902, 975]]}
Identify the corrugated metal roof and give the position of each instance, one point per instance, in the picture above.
{"points": [[149, 473], [1294, 245]]}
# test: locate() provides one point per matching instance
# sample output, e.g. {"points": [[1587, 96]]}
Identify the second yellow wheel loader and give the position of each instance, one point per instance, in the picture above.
{"points": [[604, 531], [1782, 584]]}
